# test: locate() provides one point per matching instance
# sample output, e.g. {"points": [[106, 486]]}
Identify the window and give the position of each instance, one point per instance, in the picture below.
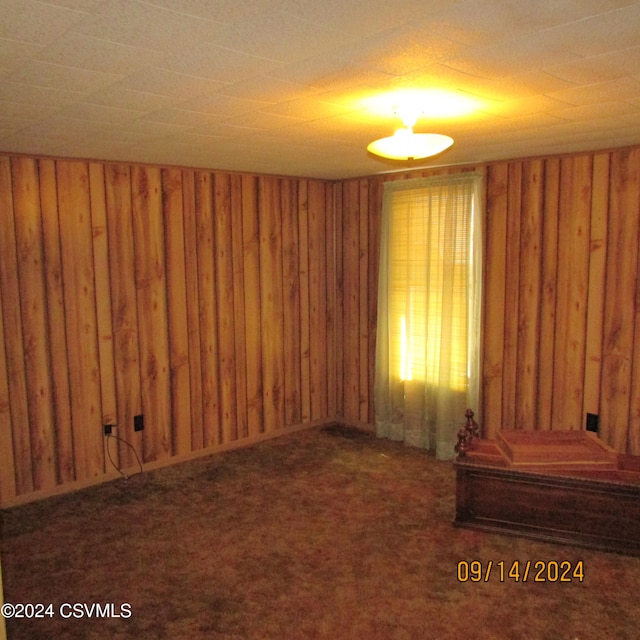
{"points": [[430, 270]]}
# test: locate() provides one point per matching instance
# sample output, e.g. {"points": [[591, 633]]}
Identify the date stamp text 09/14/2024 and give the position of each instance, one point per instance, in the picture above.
{"points": [[520, 571]]}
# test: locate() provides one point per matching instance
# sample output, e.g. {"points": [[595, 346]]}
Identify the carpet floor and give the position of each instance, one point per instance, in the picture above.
{"points": [[325, 533]]}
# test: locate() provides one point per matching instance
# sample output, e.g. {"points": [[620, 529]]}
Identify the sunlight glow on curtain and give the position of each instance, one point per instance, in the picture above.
{"points": [[427, 349]]}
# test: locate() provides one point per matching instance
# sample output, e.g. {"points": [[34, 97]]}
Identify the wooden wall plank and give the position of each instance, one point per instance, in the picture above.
{"points": [[495, 225], [225, 306], [331, 306], [30, 253], [253, 304], [208, 310], [572, 290], [177, 315], [317, 300], [81, 321], [633, 434], [305, 284], [529, 294], [7, 465], [8, 488], [364, 325], [57, 337], [272, 300], [511, 297], [375, 221], [148, 233], [596, 286], [351, 302], [239, 308], [103, 294], [192, 292], [291, 301], [546, 343], [338, 209], [14, 354], [125, 311]]}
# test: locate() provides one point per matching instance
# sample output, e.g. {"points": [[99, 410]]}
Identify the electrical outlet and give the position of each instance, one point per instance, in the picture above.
{"points": [[138, 423], [107, 429]]}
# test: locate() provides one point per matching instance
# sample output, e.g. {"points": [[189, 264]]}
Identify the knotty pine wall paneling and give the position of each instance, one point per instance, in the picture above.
{"points": [[226, 308], [620, 391], [205, 301], [561, 295]]}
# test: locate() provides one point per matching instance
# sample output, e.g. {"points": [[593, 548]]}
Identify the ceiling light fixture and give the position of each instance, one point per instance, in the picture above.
{"points": [[404, 144]]}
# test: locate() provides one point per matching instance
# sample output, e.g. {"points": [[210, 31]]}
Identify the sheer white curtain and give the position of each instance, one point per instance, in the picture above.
{"points": [[428, 336]]}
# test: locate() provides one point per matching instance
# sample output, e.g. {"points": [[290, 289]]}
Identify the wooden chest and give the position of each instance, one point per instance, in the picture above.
{"points": [[564, 487]]}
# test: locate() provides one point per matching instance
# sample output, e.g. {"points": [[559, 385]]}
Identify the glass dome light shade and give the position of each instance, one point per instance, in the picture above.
{"points": [[404, 144]]}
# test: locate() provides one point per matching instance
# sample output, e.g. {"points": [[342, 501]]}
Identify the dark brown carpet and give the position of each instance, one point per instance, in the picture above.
{"points": [[326, 533]]}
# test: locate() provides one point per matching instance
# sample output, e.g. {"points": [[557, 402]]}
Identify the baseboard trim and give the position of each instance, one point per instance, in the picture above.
{"points": [[114, 474]]}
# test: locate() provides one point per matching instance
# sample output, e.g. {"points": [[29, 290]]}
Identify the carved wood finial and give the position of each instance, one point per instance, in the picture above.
{"points": [[466, 434], [463, 444], [472, 426]]}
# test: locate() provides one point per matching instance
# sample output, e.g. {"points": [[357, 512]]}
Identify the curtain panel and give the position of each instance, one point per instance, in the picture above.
{"points": [[429, 294]]}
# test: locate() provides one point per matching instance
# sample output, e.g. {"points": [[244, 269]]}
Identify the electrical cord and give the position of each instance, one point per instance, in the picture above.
{"points": [[114, 465]]}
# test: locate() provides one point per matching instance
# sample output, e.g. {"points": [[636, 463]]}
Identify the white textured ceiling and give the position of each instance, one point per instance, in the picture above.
{"points": [[285, 86]]}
